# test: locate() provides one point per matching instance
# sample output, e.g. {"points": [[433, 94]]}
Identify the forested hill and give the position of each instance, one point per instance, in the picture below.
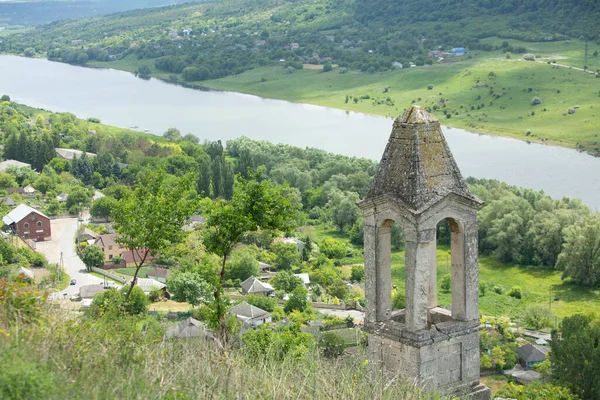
{"points": [[573, 18], [39, 12], [226, 37]]}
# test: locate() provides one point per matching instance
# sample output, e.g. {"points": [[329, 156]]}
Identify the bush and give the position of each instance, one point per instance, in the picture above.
{"points": [[498, 289], [333, 248], [535, 101], [358, 273], [297, 300], [331, 345], [446, 284], [20, 379], [537, 317], [155, 295], [262, 302], [398, 301], [482, 288], [515, 292]]}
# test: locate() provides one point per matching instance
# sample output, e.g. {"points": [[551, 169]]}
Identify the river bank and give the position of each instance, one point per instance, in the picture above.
{"points": [[120, 99], [487, 94]]}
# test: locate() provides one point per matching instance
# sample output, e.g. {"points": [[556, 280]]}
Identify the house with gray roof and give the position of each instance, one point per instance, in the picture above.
{"points": [[70, 154], [187, 329], [148, 284], [530, 354], [4, 165], [89, 291], [254, 286], [9, 202], [250, 315]]}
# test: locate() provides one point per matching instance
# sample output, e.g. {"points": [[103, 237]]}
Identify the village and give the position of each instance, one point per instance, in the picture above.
{"points": [[81, 256]]}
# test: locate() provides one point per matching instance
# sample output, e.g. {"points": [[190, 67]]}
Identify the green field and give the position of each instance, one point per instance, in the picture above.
{"points": [[534, 282], [131, 271], [504, 97]]}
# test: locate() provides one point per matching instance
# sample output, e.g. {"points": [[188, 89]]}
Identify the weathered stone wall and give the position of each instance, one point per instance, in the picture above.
{"points": [[448, 367]]}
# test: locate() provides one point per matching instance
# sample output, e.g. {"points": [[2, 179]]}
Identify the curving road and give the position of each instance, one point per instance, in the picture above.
{"points": [[63, 240]]}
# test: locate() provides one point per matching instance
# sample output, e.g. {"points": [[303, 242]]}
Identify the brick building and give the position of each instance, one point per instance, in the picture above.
{"points": [[28, 223]]}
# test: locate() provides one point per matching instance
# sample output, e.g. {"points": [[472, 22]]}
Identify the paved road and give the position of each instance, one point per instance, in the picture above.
{"points": [[63, 240]]}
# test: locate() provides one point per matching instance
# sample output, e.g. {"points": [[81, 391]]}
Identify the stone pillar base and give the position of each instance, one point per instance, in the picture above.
{"points": [[480, 392]]}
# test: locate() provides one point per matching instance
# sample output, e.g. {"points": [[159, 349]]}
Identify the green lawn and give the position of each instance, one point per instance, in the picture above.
{"points": [[534, 282], [131, 271], [462, 85]]}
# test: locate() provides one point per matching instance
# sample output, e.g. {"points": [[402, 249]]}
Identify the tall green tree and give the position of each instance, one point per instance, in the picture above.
{"points": [[575, 356], [580, 257], [189, 287], [150, 219], [256, 204], [92, 257]]}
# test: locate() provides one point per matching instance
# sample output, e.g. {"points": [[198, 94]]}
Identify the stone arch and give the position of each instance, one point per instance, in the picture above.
{"points": [[457, 270]]}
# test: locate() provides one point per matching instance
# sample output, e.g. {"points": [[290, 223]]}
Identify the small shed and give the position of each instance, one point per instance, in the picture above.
{"points": [[89, 291], [530, 354]]}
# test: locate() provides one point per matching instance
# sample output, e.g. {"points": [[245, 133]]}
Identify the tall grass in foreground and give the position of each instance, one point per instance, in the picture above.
{"points": [[66, 356]]}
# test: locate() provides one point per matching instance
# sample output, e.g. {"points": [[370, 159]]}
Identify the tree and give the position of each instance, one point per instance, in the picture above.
{"points": [[189, 287], [538, 317], [327, 67], [172, 135], [150, 219], [286, 255], [92, 257], [7, 181], [286, 281], [297, 300], [242, 265], [580, 257], [77, 198], [343, 209], [256, 204], [338, 289], [333, 248], [576, 356], [102, 207]]}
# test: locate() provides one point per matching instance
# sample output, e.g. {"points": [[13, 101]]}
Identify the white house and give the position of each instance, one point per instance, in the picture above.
{"points": [[247, 314]]}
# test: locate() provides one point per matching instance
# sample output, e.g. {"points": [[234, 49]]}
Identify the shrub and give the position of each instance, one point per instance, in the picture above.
{"points": [[263, 302], [331, 345], [155, 295], [535, 101], [333, 248], [357, 274], [446, 284], [398, 301], [21, 303], [537, 317], [515, 292], [498, 289], [20, 379]]}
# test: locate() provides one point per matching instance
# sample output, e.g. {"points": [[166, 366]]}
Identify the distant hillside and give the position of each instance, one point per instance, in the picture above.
{"points": [[39, 12]]}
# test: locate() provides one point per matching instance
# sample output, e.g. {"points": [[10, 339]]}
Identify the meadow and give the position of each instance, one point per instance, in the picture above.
{"points": [[540, 286]]}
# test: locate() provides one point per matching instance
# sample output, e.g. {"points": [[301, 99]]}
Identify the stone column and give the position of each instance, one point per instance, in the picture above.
{"points": [[418, 259], [432, 297], [459, 295], [384, 271], [471, 270], [370, 237]]}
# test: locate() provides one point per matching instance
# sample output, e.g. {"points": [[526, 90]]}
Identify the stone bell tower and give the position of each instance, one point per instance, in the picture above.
{"points": [[418, 185]]}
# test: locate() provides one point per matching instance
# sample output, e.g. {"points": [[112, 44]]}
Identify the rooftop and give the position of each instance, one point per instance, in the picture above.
{"points": [[70, 154], [19, 213], [417, 167], [253, 285], [4, 165], [248, 311]]}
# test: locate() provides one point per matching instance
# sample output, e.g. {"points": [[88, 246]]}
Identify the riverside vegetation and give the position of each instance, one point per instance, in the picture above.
{"points": [[528, 242], [354, 50]]}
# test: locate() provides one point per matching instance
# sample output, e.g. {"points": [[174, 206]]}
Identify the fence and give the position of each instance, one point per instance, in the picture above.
{"points": [[109, 275]]}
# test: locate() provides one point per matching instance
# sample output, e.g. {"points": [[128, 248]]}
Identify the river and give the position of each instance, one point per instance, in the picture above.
{"points": [[119, 98]]}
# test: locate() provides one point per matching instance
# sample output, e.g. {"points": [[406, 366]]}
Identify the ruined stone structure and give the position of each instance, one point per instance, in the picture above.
{"points": [[418, 185]]}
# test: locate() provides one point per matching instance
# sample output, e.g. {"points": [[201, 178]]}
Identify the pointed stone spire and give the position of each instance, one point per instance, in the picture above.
{"points": [[417, 166]]}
